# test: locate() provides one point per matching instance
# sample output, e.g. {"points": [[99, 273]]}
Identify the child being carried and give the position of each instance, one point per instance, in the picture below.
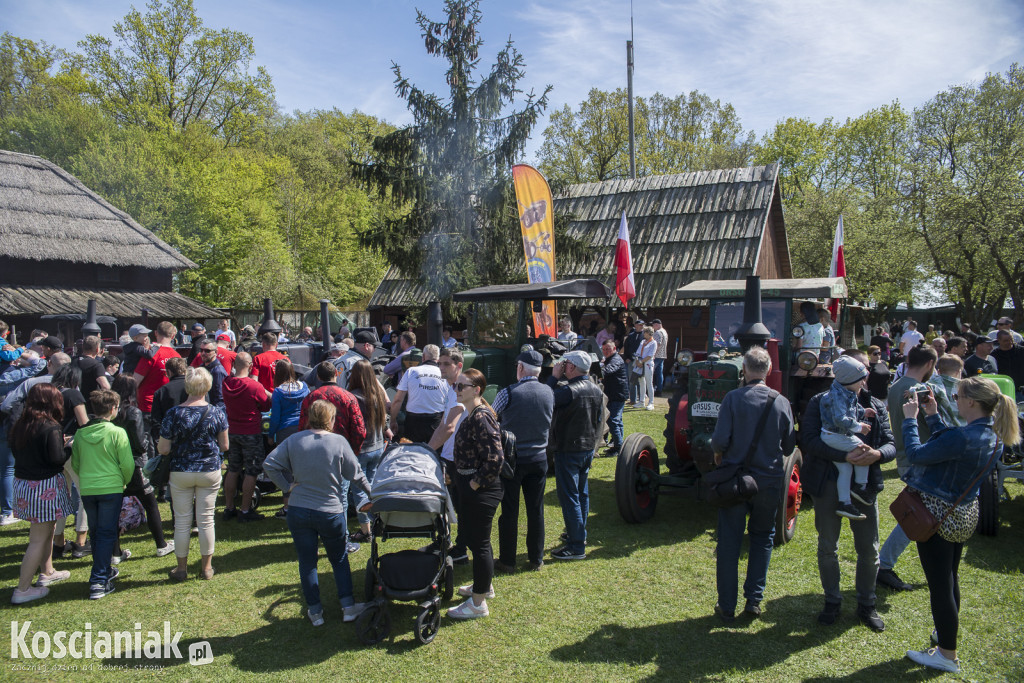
{"points": [[842, 418]]}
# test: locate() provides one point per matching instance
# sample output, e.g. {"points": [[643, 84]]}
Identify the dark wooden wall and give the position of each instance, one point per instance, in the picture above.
{"points": [[82, 275]]}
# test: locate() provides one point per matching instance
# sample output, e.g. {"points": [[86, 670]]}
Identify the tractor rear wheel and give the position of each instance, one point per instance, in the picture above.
{"points": [[792, 495], [988, 504], [635, 490]]}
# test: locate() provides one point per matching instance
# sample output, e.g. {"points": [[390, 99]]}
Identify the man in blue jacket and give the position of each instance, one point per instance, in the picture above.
{"points": [[818, 478], [616, 388]]}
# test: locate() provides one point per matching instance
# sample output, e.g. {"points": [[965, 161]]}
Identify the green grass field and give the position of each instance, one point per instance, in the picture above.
{"points": [[638, 608]]}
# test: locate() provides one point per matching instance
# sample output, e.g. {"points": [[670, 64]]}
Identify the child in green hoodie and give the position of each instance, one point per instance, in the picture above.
{"points": [[102, 457]]}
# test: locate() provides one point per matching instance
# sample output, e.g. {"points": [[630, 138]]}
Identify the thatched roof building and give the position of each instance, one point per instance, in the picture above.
{"points": [[61, 244], [705, 225]]}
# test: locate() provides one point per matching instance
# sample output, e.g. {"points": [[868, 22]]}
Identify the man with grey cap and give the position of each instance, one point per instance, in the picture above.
{"points": [[575, 433], [525, 409], [364, 344], [336, 353], [137, 349]]}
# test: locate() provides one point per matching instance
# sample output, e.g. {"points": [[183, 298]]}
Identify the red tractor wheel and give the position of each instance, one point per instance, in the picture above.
{"points": [[636, 490], [792, 494], [677, 445]]}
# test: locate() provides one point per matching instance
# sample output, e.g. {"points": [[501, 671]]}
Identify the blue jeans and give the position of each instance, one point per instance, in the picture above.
{"points": [[104, 514], [615, 422], [762, 509], [6, 477], [571, 471], [368, 461], [893, 548], [308, 527], [659, 364]]}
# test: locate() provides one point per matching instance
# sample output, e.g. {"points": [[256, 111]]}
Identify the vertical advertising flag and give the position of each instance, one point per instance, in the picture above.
{"points": [[837, 268], [537, 220]]}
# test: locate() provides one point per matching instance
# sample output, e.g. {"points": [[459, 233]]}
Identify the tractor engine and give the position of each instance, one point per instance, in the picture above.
{"points": [[709, 382]]}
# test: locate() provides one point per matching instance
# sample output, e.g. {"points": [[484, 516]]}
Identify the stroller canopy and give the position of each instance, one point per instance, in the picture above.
{"points": [[409, 478]]}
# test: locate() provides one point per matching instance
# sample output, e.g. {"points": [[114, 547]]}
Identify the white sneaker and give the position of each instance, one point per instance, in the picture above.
{"points": [[50, 579], [116, 559], [467, 591], [934, 659], [650, 406], [352, 612], [166, 550], [316, 618], [7, 520], [468, 610], [28, 595]]}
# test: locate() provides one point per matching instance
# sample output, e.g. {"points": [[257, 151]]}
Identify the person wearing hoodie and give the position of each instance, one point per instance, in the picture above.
{"points": [[102, 457], [137, 349], [285, 409], [245, 399]]}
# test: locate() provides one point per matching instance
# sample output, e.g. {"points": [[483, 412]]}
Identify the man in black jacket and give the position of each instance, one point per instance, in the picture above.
{"points": [[818, 477], [616, 388], [574, 434], [629, 349]]}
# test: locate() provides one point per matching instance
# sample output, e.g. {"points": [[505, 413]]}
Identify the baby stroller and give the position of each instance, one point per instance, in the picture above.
{"points": [[410, 500]]}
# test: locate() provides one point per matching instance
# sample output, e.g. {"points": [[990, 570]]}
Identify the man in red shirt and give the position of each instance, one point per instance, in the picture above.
{"points": [[245, 399], [150, 373], [349, 419], [224, 354], [263, 363]]}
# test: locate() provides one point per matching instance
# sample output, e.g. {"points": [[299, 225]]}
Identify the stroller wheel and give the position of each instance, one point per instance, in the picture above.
{"points": [[256, 496], [428, 622], [374, 624], [448, 589]]}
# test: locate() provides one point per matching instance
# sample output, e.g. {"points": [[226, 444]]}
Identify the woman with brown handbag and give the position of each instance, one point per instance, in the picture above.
{"points": [[947, 472]]}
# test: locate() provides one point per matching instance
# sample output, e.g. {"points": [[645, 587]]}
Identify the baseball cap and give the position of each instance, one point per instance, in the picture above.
{"points": [[138, 329], [579, 359], [365, 337], [531, 357], [52, 342], [639, 322], [656, 320], [224, 337], [339, 347], [983, 340], [198, 326]]}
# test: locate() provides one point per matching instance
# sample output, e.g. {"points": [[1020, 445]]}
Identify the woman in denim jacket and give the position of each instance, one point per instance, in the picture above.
{"points": [[941, 469]]}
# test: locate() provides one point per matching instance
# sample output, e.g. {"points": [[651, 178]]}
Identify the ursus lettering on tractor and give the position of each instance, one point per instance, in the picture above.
{"points": [[797, 373]]}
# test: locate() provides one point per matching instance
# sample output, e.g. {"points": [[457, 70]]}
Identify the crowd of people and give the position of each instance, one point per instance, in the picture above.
{"points": [[79, 434]]}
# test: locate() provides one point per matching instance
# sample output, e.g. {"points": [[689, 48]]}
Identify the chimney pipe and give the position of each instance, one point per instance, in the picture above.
{"points": [[435, 323], [90, 327], [145, 317], [268, 324], [325, 328], [752, 332]]}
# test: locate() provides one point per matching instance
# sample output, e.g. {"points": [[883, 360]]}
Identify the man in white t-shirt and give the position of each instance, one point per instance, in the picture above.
{"points": [[1005, 323], [450, 364], [427, 392], [565, 333], [661, 337], [911, 338]]}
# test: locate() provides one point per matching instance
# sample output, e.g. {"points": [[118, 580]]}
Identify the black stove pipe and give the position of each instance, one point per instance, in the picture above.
{"points": [[435, 323], [90, 328], [325, 328], [752, 332], [268, 324]]}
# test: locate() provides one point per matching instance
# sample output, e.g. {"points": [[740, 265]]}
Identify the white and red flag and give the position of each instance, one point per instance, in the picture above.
{"points": [[625, 287], [837, 268]]}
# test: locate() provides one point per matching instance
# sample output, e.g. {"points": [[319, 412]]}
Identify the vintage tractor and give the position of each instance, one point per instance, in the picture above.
{"points": [[498, 326], [693, 410]]}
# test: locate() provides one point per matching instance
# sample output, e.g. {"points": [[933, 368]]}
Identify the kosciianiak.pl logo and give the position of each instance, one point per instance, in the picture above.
{"points": [[89, 644]]}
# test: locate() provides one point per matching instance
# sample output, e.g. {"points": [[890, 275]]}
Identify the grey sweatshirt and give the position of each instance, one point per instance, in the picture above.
{"points": [[316, 464]]}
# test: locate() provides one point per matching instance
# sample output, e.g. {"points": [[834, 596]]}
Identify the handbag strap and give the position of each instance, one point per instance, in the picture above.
{"points": [[772, 395]]}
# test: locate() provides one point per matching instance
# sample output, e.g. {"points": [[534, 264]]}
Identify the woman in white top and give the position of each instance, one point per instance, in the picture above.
{"points": [[644, 365]]}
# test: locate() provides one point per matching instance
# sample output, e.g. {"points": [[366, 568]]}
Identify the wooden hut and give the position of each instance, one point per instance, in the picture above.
{"points": [[706, 225], [61, 244]]}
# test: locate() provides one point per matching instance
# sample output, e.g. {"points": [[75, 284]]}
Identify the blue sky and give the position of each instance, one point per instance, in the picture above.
{"points": [[771, 59]]}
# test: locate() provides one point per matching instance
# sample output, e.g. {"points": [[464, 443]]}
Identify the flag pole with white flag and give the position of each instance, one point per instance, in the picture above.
{"points": [[837, 267], [625, 287]]}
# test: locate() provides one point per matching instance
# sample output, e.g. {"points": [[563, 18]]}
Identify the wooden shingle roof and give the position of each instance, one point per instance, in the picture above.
{"points": [[705, 225], [48, 214]]}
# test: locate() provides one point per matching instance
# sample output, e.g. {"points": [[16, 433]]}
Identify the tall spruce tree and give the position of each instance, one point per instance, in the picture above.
{"points": [[452, 166]]}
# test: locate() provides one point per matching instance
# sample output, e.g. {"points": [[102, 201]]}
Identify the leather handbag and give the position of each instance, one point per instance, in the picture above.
{"points": [[916, 520], [508, 449], [731, 484]]}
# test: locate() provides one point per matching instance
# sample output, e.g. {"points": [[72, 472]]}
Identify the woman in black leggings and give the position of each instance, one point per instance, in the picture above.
{"points": [[129, 418], [947, 471], [478, 459]]}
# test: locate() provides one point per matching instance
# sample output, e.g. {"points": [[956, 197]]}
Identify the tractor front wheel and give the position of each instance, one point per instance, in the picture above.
{"points": [[789, 505], [636, 489]]}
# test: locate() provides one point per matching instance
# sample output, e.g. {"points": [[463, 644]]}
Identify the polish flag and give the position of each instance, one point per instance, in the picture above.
{"points": [[625, 287], [837, 268]]}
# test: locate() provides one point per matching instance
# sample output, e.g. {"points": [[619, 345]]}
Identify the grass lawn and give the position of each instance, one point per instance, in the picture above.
{"points": [[639, 607]]}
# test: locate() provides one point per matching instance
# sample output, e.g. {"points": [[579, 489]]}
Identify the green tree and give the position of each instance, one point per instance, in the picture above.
{"points": [[169, 70], [453, 164], [673, 135]]}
